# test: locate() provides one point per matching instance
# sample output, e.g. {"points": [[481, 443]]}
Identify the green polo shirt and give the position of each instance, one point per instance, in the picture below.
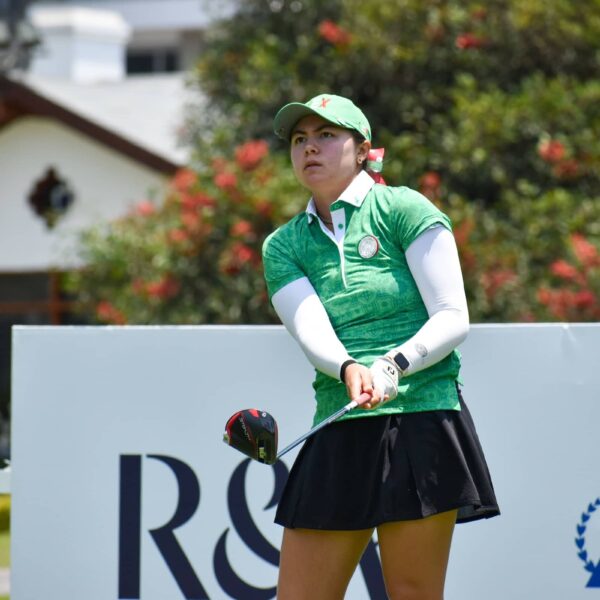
{"points": [[362, 278]]}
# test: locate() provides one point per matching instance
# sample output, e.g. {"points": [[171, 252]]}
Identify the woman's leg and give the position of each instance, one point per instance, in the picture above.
{"points": [[414, 556], [318, 564]]}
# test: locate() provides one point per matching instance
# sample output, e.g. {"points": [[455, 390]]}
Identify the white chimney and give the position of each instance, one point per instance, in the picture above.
{"points": [[81, 44]]}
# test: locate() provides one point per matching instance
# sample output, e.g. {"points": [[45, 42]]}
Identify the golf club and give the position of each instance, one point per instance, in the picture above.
{"points": [[254, 432]]}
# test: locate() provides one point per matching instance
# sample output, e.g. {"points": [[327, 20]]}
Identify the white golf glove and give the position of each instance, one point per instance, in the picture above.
{"points": [[384, 373]]}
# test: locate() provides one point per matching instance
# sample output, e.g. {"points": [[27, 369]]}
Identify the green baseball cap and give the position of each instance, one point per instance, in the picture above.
{"points": [[335, 109]]}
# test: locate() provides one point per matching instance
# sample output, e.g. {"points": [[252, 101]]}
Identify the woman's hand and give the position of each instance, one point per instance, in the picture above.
{"points": [[359, 381], [384, 377]]}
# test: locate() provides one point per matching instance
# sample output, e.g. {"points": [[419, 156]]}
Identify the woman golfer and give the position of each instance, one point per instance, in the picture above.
{"points": [[368, 281]]}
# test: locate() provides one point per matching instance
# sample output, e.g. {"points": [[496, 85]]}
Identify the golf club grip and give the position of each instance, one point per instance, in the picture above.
{"points": [[336, 415]]}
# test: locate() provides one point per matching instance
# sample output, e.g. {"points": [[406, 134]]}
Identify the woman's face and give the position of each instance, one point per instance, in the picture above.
{"points": [[325, 157]]}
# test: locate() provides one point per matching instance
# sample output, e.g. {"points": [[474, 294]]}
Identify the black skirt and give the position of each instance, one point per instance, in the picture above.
{"points": [[360, 473]]}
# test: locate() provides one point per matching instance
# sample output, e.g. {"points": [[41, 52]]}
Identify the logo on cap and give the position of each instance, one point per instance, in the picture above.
{"points": [[368, 246]]}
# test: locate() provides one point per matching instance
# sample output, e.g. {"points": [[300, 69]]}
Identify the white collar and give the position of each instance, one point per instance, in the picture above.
{"points": [[354, 194]]}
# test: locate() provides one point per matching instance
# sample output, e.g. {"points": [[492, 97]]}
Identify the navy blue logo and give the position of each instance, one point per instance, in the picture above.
{"points": [[130, 527], [594, 569], [188, 500], [242, 522]]}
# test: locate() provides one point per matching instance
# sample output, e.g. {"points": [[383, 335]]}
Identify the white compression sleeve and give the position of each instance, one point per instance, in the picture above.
{"points": [[434, 264], [304, 316]]}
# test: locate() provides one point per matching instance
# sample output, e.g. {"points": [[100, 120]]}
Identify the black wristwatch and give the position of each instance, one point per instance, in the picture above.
{"points": [[401, 361]]}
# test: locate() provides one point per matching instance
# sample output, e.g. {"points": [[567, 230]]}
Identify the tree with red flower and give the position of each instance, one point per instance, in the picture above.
{"points": [[469, 41], [551, 151], [250, 154], [577, 298], [198, 259], [333, 33]]}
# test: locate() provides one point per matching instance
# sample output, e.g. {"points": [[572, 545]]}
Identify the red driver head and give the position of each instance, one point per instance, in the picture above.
{"points": [[253, 432]]}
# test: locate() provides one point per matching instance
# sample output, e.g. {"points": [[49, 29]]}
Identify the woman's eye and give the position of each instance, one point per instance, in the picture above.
{"points": [[297, 139], [326, 134]]}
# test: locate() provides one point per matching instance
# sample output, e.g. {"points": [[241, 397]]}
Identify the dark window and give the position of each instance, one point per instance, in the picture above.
{"points": [[140, 62], [51, 197], [153, 60]]}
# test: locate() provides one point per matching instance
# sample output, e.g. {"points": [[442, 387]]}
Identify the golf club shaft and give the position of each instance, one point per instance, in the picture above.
{"points": [[336, 415]]}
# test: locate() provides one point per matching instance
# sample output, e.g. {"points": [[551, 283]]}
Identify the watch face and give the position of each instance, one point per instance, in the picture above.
{"points": [[401, 361]]}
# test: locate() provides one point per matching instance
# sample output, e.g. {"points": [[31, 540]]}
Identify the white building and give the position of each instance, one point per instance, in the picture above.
{"points": [[164, 35], [88, 131]]}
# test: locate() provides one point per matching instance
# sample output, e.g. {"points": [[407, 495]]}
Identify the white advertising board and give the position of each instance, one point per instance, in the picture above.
{"points": [[123, 489]]}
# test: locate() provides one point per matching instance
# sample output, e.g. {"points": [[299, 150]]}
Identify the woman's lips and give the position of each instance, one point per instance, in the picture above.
{"points": [[311, 164]]}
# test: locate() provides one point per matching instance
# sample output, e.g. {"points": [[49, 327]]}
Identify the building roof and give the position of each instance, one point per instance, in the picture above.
{"points": [[158, 15], [140, 116]]}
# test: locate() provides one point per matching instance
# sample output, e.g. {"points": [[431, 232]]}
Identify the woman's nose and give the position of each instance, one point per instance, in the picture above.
{"points": [[310, 147]]}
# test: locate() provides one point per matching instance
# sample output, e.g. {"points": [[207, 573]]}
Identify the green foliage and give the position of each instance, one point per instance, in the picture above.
{"points": [[194, 257], [4, 512], [398, 60], [490, 109]]}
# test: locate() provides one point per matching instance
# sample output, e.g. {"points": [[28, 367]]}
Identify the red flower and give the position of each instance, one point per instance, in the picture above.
{"points": [[551, 151], [469, 41], [493, 281], [241, 228], [243, 254], [164, 288], [585, 299], [334, 34], [190, 220], [586, 252], [431, 179], [559, 302], [178, 236], [544, 295], [249, 155], [108, 313], [195, 201], [564, 270], [462, 232], [264, 208], [429, 184], [566, 169], [225, 180], [145, 208], [239, 256], [184, 179]]}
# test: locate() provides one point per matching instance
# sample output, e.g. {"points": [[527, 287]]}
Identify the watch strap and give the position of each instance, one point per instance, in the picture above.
{"points": [[343, 368]]}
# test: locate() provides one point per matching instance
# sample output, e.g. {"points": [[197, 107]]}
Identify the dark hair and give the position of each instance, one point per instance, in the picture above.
{"points": [[359, 138]]}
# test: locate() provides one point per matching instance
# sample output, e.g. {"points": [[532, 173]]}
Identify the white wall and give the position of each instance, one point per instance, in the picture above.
{"points": [[82, 44], [106, 184], [85, 396]]}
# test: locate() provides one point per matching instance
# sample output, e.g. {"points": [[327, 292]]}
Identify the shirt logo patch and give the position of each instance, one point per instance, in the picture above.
{"points": [[368, 246]]}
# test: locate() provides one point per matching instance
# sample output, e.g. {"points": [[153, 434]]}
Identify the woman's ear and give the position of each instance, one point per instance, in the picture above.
{"points": [[363, 151]]}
